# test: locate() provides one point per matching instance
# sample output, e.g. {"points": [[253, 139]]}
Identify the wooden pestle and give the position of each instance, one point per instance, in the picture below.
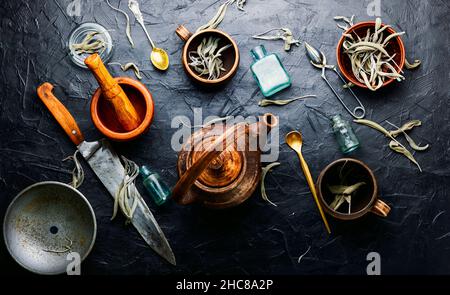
{"points": [[111, 90]]}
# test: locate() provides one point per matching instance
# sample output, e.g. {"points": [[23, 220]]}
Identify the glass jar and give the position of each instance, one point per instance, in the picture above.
{"points": [[269, 72], [157, 189], [345, 135]]}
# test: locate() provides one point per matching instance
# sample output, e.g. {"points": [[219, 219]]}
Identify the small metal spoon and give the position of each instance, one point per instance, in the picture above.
{"points": [[294, 140], [159, 57]]}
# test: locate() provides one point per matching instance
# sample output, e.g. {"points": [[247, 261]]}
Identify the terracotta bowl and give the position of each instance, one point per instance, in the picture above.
{"points": [[104, 117], [394, 46], [230, 57]]}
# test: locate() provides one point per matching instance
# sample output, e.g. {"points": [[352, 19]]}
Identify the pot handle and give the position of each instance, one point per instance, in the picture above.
{"points": [[381, 208], [183, 33]]}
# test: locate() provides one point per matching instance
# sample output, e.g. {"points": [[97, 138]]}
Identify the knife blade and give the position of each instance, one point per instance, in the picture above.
{"points": [[105, 163]]}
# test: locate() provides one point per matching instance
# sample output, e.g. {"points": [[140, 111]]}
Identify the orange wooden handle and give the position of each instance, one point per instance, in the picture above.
{"points": [[381, 208], [60, 113], [111, 90], [183, 33]]}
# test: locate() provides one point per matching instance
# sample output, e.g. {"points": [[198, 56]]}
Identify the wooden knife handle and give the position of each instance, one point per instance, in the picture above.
{"points": [[61, 114], [111, 90]]}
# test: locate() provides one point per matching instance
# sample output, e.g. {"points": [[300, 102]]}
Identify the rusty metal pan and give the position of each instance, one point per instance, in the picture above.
{"points": [[47, 221]]}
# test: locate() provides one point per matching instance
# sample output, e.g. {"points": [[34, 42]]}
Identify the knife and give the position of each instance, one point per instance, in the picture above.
{"points": [[108, 168]]}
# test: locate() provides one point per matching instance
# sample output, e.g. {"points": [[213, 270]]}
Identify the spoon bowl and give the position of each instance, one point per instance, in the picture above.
{"points": [[294, 140], [159, 58]]}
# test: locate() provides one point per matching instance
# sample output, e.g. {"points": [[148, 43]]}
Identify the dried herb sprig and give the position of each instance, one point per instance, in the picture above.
{"points": [[406, 127], [343, 194], [220, 14], [129, 66], [349, 22], [206, 60], [265, 170], [281, 34], [282, 102], [126, 197], [394, 145], [128, 27], [412, 66], [77, 172], [90, 44], [399, 148], [371, 63]]}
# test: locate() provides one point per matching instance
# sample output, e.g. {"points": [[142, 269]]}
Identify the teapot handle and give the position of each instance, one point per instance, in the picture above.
{"points": [[214, 150]]}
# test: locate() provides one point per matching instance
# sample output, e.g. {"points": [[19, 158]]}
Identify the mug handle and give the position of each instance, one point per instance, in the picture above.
{"points": [[183, 33], [381, 208]]}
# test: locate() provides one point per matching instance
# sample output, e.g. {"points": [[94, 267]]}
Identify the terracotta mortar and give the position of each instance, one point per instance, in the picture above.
{"points": [[104, 116]]}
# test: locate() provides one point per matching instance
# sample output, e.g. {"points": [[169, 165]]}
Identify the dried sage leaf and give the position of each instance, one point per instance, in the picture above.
{"points": [[126, 197], [412, 66], [415, 146], [220, 15], [348, 85], [345, 190], [129, 66], [394, 144], [375, 126], [370, 62], [77, 172], [348, 21], [265, 170], [89, 44], [406, 127], [281, 34], [128, 28], [337, 203], [397, 147], [206, 59], [281, 102], [135, 68]]}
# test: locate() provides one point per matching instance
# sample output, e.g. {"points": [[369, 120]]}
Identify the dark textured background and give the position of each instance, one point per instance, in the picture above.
{"points": [[255, 238]]}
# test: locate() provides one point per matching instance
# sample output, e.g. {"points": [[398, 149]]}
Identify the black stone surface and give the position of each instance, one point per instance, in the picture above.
{"points": [[255, 238]]}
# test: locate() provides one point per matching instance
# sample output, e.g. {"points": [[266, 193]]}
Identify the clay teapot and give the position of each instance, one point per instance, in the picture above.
{"points": [[220, 166]]}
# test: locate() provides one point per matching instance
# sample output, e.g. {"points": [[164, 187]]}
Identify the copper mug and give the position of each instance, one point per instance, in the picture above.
{"points": [[365, 200]]}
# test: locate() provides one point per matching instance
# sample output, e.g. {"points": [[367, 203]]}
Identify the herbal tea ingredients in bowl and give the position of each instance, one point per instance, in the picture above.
{"points": [[372, 60], [87, 39], [206, 61]]}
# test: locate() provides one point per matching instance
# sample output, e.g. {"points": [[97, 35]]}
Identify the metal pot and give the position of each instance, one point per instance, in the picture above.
{"points": [[44, 223]]}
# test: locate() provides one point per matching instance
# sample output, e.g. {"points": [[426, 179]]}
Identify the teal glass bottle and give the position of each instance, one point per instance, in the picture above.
{"points": [[345, 136], [269, 72], [157, 189]]}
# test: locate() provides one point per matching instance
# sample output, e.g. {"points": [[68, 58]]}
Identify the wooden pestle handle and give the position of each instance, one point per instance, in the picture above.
{"points": [[61, 114], [111, 90]]}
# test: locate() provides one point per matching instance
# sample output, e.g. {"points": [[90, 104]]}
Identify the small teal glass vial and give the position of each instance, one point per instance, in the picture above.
{"points": [[346, 138], [157, 189], [269, 72]]}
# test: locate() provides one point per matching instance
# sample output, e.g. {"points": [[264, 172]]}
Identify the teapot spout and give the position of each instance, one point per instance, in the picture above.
{"points": [[264, 125]]}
